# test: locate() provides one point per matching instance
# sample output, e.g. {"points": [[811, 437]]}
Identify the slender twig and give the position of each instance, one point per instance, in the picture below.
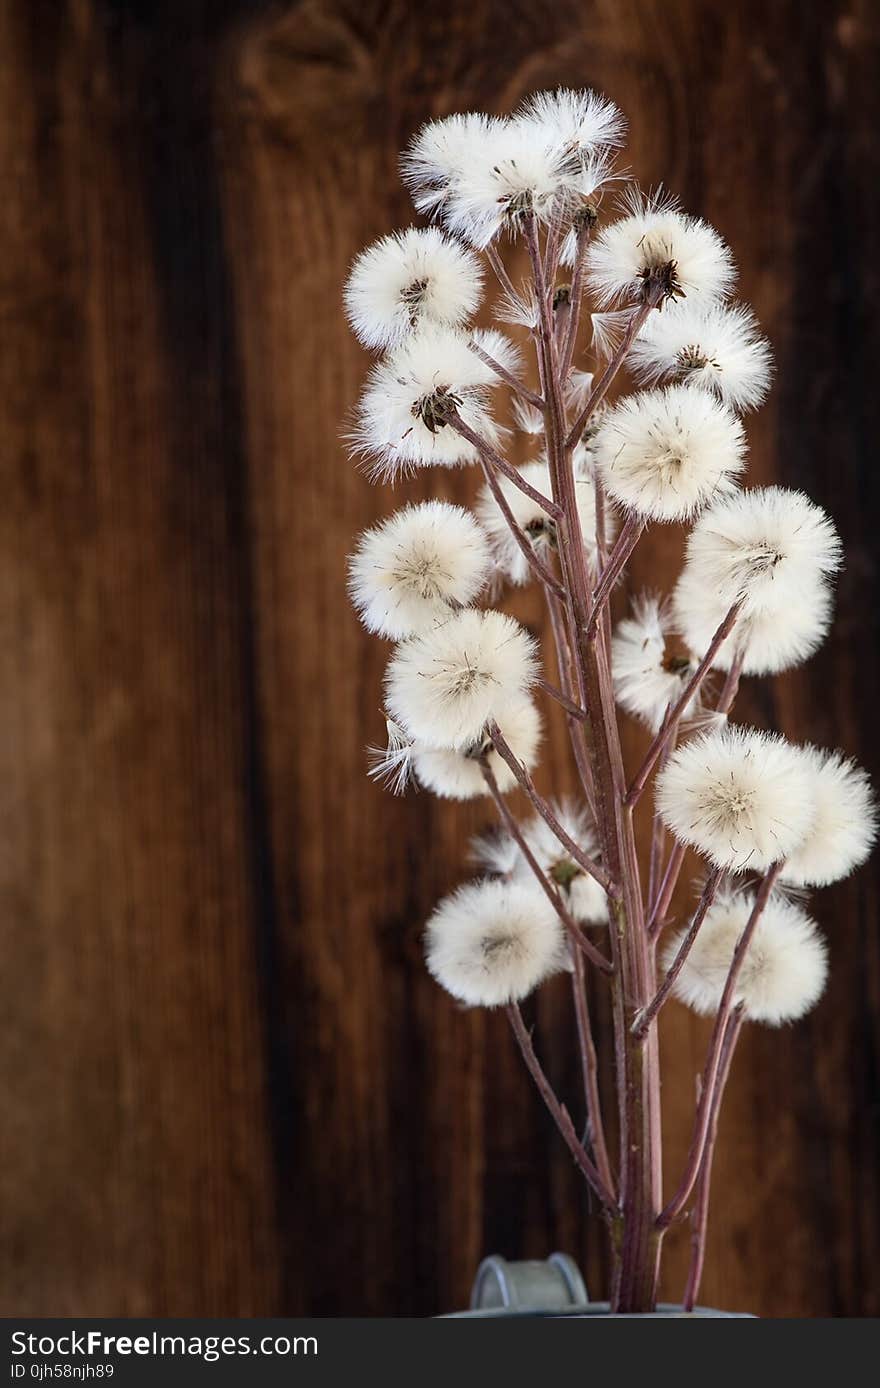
{"points": [[553, 894], [674, 712], [730, 688], [646, 1016], [485, 450], [615, 362], [660, 905], [500, 269], [700, 1213], [516, 385], [590, 1070], [558, 1111], [575, 726], [526, 783], [569, 705], [713, 1059], [624, 545], [575, 298], [530, 554]]}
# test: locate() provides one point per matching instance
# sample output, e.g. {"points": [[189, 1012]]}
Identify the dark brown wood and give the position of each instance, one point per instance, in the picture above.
{"points": [[228, 1085]]}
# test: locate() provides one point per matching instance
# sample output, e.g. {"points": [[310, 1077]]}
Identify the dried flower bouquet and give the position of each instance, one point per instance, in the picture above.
{"points": [[563, 890]]}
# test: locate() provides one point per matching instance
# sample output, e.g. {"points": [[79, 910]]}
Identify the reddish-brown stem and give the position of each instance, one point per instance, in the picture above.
{"points": [[532, 558], [558, 1111], [516, 385], [485, 450], [730, 688], [590, 1071], [624, 545], [575, 726], [576, 296], [500, 269], [571, 708], [713, 1060], [660, 906], [700, 1213], [675, 711], [527, 784], [615, 362], [645, 1018], [552, 892]]}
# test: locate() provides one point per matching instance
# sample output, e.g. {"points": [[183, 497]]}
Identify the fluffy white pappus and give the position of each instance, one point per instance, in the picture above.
{"points": [[537, 525], [709, 345], [664, 454], [845, 823], [647, 678], [738, 796], [770, 641], [491, 943], [656, 241], [517, 170], [446, 684], [440, 153], [458, 775], [392, 765], [400, 425], [585, 193], [582, 894], [580, 123], [784, 971], [413, 277], [501, 349], [762, 547], [407, 572]]}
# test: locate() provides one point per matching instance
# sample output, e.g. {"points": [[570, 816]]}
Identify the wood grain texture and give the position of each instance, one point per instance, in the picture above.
{"points": [[229, 1087]]}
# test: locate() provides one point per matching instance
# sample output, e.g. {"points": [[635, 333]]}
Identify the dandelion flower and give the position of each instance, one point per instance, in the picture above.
{"points": [[457, 774], [763, 547], [414, 277], [656, 242], [401, 423], [499, 854], [440, 153], [407, 572], [517, 170], [491, 943], [738, 796], [784, 971], [580, 123], [446, 684], [647, 678], [845, 823], [533, 520], [392, 765], [709, 345], [583, 895], [768, 641], [664, 454]]}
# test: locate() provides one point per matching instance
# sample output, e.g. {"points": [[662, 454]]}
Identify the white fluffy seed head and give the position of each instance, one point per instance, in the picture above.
{"points": [[763, 547], [499, 854], [538, 526], [845, 822], [408, 279], [409, 571], [440, 153], [655, 241], [709, 345], [580, 123], [446, 684], [647, 678], [492, 942], [400, 425], [664, 454], [770, 641], [738, 796], [458, 775], [517, 169], [784, 971]]}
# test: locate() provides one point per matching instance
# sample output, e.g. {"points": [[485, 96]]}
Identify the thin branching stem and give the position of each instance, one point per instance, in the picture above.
{"points": [[590, 1071], [713, 1060], [516, 385], [615, 362], [559, 697], [626, 542], [485, 450], [541, 571], [647, 1015], [558, 1111]]}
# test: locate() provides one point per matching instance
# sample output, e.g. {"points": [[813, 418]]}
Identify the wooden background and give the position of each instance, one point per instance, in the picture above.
{"points": [[227, 1085]]}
